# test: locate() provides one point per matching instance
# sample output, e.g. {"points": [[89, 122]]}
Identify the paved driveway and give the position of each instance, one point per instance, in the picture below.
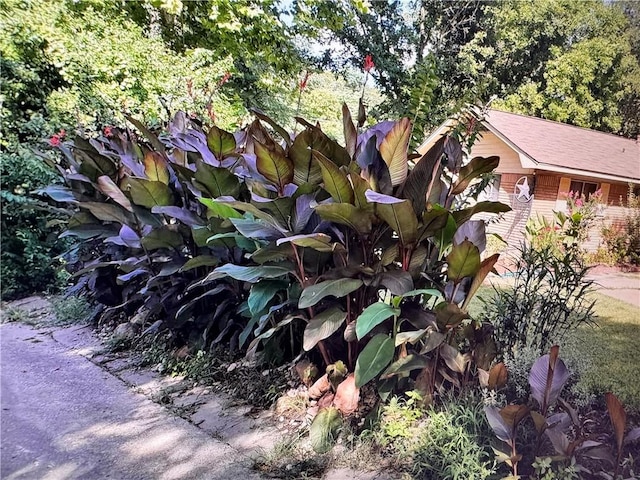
{"points": [[65, 418], [623, 286]]}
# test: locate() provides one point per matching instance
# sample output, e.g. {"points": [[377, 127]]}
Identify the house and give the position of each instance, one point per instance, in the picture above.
{"points": [[541, 161]]}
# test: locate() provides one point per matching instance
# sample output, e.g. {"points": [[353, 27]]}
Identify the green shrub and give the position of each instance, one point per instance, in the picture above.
{"points": [[632, 227], [29, 240], [449, 442], [548, 299]]}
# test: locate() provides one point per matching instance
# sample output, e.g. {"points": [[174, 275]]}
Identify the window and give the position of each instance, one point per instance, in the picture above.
{"points": [[583, 188]]}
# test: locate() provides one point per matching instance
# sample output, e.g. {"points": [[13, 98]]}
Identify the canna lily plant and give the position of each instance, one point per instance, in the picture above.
{"points": [[280, 244]]}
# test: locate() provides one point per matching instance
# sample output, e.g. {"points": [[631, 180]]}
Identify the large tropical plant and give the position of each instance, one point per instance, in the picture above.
{"points": [[282, 243]]}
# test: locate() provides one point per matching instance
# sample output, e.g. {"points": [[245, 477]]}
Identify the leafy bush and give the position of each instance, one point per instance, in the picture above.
{"points": [[548, 299], [271, 243], [448, 442], [632, 227], [622, 239], [29, 231]]}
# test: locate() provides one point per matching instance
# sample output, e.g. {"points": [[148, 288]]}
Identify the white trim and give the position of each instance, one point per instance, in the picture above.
{"points": [[447, 125]]}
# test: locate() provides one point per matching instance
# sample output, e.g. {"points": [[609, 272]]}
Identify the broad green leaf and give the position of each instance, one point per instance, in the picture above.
{"points": [[399, 216], [218, 182], [59, 193], [349, 130], [247, 274], [346, 214], [337, 288], [420, 178], [161, 238], [423, 291], [271, 253], [306, 170], [252, 209], [106, 212], [335, 180], [199, 261], [394, 150], [373, 359], [476, 167], [463, 261], [323, 431], [219, 210], [372, 316], [155, 167], [111, 190], [317, 241], [274, 166], [220, 142], [147, 193], [152, 137], [322, 326], [485, 267], [405, 365], [261, 294], [256, 229], [462, 216]]}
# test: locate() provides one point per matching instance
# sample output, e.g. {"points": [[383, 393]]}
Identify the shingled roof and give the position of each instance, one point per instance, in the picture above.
{"points": [[552, 144]]}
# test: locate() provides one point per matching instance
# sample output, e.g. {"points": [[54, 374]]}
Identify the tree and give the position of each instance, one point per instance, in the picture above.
{"points": [[558, 59]]}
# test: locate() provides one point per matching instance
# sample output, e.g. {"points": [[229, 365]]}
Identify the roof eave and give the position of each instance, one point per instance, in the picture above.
{"points": [[585, 173]]}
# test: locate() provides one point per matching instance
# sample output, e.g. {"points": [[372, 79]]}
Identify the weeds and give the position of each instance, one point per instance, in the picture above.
{"points": [[13, 314], [257, 387], [71, 309]]}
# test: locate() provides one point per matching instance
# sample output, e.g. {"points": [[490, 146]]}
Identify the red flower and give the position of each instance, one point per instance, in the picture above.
{"points": [[108, 131], [54, 141], [303, 83], [224, 79], [368, 63], [579, 202]]}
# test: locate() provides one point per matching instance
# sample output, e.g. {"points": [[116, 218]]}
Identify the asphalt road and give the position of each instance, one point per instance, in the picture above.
{"points": [[64, 418]]}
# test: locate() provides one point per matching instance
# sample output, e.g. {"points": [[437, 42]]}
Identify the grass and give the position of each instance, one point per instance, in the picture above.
{"points": [[610, 348]]}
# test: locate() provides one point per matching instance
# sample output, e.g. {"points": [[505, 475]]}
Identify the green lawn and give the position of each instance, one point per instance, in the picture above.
{"points": [[612, 348]]}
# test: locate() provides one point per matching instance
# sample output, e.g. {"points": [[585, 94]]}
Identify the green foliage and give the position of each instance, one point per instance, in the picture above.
{"points": [[29, 228], [71, 309], [547, 300], [262, 242], [574, 60], [442, 443]]}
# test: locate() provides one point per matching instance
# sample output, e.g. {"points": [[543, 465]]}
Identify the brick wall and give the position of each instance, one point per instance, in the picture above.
{"points": [[547, 187]]}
